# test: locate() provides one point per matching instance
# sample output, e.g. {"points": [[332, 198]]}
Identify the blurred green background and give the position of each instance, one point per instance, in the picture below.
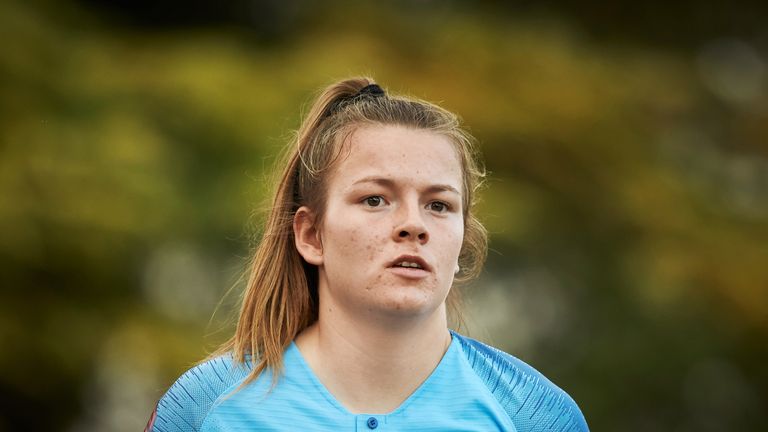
{"points": [[627, 202]]}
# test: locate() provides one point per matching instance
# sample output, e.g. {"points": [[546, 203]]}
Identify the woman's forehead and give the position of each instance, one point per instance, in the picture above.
{"points": [[399, 154]]}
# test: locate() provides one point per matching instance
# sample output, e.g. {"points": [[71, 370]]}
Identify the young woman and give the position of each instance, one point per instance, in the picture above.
{"points": [[344, 321]]}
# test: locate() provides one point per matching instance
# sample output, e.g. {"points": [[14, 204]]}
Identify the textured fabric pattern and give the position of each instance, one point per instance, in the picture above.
{"points": [[188, 402], [473, 388], [532, 401]]}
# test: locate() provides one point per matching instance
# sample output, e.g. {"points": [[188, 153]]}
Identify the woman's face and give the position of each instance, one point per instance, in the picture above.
{"points": [[393, 224]]}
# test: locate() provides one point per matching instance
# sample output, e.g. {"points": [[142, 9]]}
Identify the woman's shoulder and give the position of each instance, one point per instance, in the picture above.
{"points": [[187, 402], [532, 401]]}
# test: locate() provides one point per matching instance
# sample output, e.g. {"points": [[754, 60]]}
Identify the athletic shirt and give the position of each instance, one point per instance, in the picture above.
{"points": [[475, 387]]}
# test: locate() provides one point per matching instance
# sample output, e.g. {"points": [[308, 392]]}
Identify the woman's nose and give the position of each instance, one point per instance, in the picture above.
{"points": [[410, 225]]}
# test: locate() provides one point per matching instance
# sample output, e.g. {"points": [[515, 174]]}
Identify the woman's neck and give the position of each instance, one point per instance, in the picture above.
{"points": [[370, 367]]}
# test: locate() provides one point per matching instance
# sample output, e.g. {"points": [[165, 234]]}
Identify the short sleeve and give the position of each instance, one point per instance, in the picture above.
{"points": [[187, 403], [532, 401]]}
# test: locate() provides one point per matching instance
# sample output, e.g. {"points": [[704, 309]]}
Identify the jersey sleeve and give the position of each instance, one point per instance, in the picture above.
{"points": [[532, 401], [186, 404]]}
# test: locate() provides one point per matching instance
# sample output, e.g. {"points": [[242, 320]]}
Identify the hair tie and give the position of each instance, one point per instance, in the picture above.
{"points": [[370, 89]]}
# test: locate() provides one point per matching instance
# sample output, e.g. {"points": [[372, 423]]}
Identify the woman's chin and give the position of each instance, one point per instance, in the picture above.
{"points": [[410, 303]]}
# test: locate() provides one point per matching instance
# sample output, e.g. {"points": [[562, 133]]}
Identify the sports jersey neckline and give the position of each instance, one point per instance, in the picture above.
{"points": [[449, 356]]}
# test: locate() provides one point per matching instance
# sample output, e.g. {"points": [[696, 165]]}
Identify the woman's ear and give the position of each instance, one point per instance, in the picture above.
{"points": [[307, 236]]}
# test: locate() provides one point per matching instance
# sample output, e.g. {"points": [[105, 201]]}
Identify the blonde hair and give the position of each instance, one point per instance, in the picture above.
{"points": [[281, 296]]}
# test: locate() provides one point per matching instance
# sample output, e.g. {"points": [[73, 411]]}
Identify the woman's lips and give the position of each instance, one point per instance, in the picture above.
{"points": [[408, 261], [409, 272]]}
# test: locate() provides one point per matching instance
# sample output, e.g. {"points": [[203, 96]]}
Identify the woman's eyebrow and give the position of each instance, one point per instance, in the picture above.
{"points": [[443, 188], [389, 183]]}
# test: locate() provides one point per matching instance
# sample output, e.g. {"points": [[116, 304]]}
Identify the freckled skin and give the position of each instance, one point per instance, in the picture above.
{"points": [[359, 240]]}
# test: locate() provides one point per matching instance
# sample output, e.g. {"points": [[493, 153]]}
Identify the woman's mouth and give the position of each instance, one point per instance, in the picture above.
{"points": [[410, 266]]}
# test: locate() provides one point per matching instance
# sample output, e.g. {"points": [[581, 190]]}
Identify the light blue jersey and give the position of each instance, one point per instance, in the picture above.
{"points": [[474, 388]]}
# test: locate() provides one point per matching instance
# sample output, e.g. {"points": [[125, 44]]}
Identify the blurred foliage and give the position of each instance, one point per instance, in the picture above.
{"points": [[627, 201]]}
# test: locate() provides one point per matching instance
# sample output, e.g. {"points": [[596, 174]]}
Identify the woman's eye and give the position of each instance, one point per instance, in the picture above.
{"points": [[374, 201], [438, 206]]}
